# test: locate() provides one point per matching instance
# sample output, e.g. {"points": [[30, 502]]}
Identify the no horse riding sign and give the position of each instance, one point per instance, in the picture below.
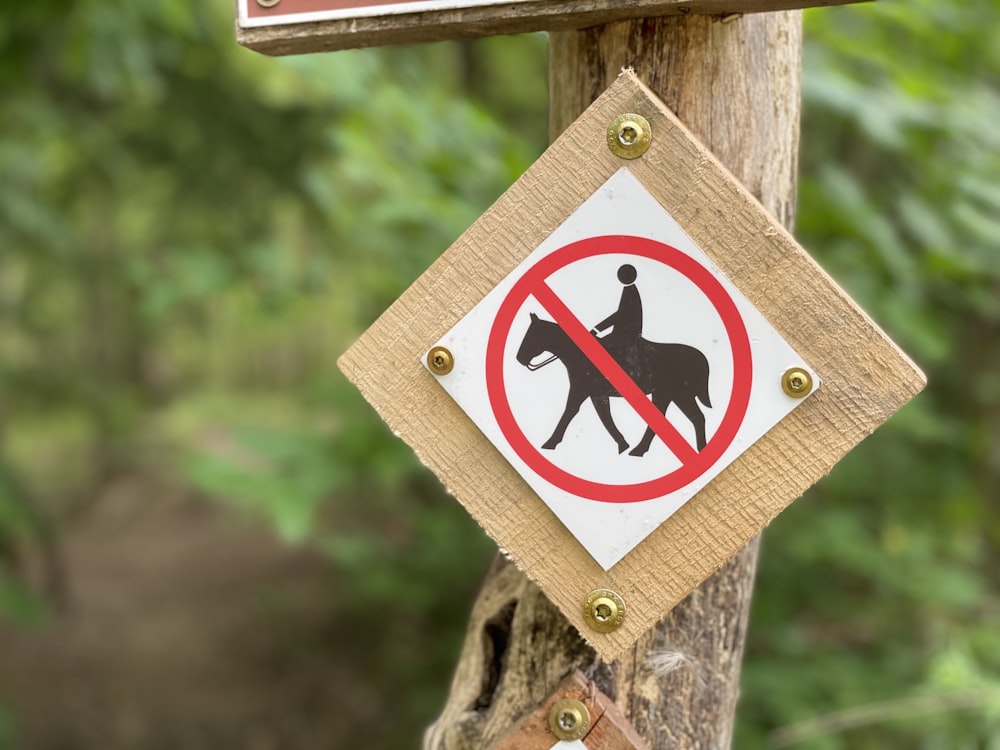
{"points": [[626, 368]]}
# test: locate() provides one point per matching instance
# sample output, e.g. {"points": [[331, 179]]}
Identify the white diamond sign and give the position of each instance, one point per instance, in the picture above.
{"points": [[618, 370]]}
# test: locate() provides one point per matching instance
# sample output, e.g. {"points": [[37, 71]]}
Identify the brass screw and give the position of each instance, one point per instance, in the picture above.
{"points": [[796, 382], [569, 719], [440, 360], [629, 135], [267, 3], [604, 610]]}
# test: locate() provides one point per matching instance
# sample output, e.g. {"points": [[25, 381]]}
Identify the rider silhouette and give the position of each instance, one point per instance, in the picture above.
{"points": [[625, 322]]}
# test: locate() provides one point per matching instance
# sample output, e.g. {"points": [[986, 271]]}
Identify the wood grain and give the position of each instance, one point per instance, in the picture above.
{"points": [[488, 20], [865, 376]]}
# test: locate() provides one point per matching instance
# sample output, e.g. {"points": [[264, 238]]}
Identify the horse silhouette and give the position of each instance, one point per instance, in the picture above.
{"points": [[667, 373]]}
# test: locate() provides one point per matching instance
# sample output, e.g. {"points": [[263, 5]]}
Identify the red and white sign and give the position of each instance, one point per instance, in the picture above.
{"points": [[253, 13], [618, 370]]}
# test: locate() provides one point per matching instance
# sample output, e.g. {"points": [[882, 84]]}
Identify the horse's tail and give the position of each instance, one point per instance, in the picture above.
{"points": [[703, 396], [703, 393]]}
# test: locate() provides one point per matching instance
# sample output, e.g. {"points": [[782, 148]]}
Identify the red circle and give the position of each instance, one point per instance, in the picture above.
{"points": [[706, 283]]}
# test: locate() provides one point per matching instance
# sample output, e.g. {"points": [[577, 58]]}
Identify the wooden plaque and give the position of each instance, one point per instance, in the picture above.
{"points": [[288, 27], [865, 377], [608, 728]]}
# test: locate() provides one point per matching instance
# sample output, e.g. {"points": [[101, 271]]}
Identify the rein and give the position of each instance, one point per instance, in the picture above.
{"points": [[540, 365]]}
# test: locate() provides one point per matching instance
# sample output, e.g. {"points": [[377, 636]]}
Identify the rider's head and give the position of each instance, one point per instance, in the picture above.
{"points": [[627, 274]]}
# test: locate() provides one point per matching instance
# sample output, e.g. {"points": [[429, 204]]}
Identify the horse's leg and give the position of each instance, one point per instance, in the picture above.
{"points": [[640, 449], [574, 400], [603, 409], [691, 410]]}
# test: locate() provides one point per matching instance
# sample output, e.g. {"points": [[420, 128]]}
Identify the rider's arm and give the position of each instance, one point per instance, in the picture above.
{"points": [[608, 322]]}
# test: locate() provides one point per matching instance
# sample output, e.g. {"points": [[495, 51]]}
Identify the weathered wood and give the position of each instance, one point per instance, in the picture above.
{"points": [[369, 29], [865, 376], [736, 85]]}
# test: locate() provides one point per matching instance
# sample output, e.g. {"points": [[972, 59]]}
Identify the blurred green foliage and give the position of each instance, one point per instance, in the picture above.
{"points": [[6, 729], [191, 233]]}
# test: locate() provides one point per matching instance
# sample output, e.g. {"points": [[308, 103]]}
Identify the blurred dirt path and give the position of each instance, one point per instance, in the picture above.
{"points": [[186, 629]]}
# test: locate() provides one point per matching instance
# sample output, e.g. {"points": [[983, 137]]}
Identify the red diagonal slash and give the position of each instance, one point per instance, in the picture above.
{"points": [[614, 373]]}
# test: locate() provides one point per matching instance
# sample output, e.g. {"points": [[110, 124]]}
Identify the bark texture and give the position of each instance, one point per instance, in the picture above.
{"points": [[735, 82]]}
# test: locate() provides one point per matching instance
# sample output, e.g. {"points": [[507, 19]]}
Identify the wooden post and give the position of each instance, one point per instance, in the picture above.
{"points": [[735, 82]]}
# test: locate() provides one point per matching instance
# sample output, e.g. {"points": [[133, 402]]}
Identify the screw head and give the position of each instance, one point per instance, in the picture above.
{"points": [[569, 719], [604, 610], [267, 3], [797, 382], [629, 135], [440, 360]]}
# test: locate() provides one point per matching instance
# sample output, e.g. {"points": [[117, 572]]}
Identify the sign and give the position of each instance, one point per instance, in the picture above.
{"points": [[253, 13], [714, 274], [284, 27], [618, 370], [602, 725]]}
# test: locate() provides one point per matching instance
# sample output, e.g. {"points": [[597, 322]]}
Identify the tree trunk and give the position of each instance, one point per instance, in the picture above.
{"points": [[735, 83]]}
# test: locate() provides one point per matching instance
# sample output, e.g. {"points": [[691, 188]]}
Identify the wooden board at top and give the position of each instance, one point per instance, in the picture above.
{"points": [[291, 27], [866, 378]]}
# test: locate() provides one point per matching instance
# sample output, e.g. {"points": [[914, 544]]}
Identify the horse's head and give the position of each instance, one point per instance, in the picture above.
{"points": [[537, 340]]}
